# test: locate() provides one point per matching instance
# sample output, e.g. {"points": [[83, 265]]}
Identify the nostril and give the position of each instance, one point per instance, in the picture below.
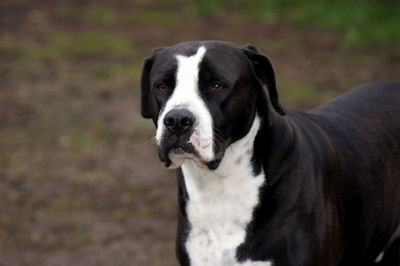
{"points": [[186, 122], [169, 121]]}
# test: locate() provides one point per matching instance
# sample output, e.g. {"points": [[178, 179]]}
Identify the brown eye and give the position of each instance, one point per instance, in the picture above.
{"points": [[162, 88], [217, 87]]}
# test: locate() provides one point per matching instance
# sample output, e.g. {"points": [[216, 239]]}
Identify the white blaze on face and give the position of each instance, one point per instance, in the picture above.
{"points": [[187, 95]]}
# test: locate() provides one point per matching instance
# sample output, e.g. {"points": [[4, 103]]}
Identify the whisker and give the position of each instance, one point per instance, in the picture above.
{"points": [[152, 141], [216, 133]]}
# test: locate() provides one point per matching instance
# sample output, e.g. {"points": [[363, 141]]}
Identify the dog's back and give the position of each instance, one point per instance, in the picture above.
{"points": [[368, 116], [367, 190]]}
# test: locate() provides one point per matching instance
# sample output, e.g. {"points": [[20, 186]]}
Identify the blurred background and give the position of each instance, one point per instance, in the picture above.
{"points": [[80, 180]]}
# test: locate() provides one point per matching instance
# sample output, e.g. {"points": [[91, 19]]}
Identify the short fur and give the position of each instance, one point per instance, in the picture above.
{"points": [[320, 187]]}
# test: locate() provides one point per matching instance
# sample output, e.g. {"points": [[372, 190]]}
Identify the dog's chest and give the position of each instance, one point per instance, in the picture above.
{"points": [[219, 209]]}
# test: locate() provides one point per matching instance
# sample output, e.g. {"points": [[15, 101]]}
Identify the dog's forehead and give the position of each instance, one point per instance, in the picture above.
{"points": [[224, 54], [212, 47]]}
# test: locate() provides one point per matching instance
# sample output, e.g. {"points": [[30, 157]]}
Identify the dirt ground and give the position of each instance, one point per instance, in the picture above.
{"points": [[80, 181]]}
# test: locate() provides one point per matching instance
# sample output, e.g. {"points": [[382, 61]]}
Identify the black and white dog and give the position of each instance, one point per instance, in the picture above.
{"points": [[259, 185]]}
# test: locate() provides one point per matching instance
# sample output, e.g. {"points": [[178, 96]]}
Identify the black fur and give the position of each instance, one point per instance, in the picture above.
{"points": [[332, 195], [265, 73]]}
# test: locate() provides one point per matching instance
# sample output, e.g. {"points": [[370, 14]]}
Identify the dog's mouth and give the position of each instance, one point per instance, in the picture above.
{"points": [[173, 156]]}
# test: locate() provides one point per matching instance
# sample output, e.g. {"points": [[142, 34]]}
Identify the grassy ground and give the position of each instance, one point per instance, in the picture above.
{"points": [[80, 182], [359, 21]]}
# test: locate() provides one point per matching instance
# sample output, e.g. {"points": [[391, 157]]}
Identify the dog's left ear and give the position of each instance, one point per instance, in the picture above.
{"points": [[265, 74], [145, 83]]}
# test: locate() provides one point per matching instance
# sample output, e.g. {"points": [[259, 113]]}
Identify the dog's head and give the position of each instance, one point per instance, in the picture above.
{"points": [[203, 96]]}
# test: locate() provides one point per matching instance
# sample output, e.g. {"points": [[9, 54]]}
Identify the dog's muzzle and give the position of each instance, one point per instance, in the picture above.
{"points": [[175, 145], [181, 141]]}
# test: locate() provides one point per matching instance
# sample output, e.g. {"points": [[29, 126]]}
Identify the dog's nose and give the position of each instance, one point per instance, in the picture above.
{"points": [[178, 120]]}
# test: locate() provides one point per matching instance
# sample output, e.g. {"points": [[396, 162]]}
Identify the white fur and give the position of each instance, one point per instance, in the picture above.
{"points": [[221, 204], [186, 95], [380, 257], [395, 235]]}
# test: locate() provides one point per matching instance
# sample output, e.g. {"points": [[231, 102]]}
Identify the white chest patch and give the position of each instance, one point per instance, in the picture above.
{"points": [[221, 205]]}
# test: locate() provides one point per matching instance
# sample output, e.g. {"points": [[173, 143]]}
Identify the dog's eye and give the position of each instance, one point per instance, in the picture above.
{"points": [[162, 88], [217, 86]]}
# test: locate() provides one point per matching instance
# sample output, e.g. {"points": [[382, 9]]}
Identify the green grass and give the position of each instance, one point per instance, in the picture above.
{"points": [[207, 7], [295, 93], [9, 51], [109, 16], [362, 22], [119, 215], [155, 17], [106, 16], [114, 70], [87, 44], [74, 45]]}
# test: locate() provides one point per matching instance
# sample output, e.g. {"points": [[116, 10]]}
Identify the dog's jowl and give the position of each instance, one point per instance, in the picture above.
{"points": [[261, 185]]}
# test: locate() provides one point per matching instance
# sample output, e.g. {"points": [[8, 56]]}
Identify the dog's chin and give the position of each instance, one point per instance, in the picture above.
{"points": [[175, 159]]}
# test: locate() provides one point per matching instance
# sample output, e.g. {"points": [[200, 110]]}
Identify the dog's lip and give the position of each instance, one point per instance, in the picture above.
{"points": [[173, 155], [165, 152], [176, 156]]}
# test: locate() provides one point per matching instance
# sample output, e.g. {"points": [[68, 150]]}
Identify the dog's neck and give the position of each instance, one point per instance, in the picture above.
{"points": [[237, 159]]}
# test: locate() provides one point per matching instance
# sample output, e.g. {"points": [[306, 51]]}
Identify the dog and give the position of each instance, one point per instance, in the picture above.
{"points": [[262, 185]]}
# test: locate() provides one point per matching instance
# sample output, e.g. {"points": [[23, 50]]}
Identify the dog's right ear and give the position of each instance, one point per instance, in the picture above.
{"points": [[145, 83]]}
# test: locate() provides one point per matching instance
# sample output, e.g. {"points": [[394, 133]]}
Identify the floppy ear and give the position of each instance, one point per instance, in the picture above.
{"points": [[145, 84], [265, 74]]}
